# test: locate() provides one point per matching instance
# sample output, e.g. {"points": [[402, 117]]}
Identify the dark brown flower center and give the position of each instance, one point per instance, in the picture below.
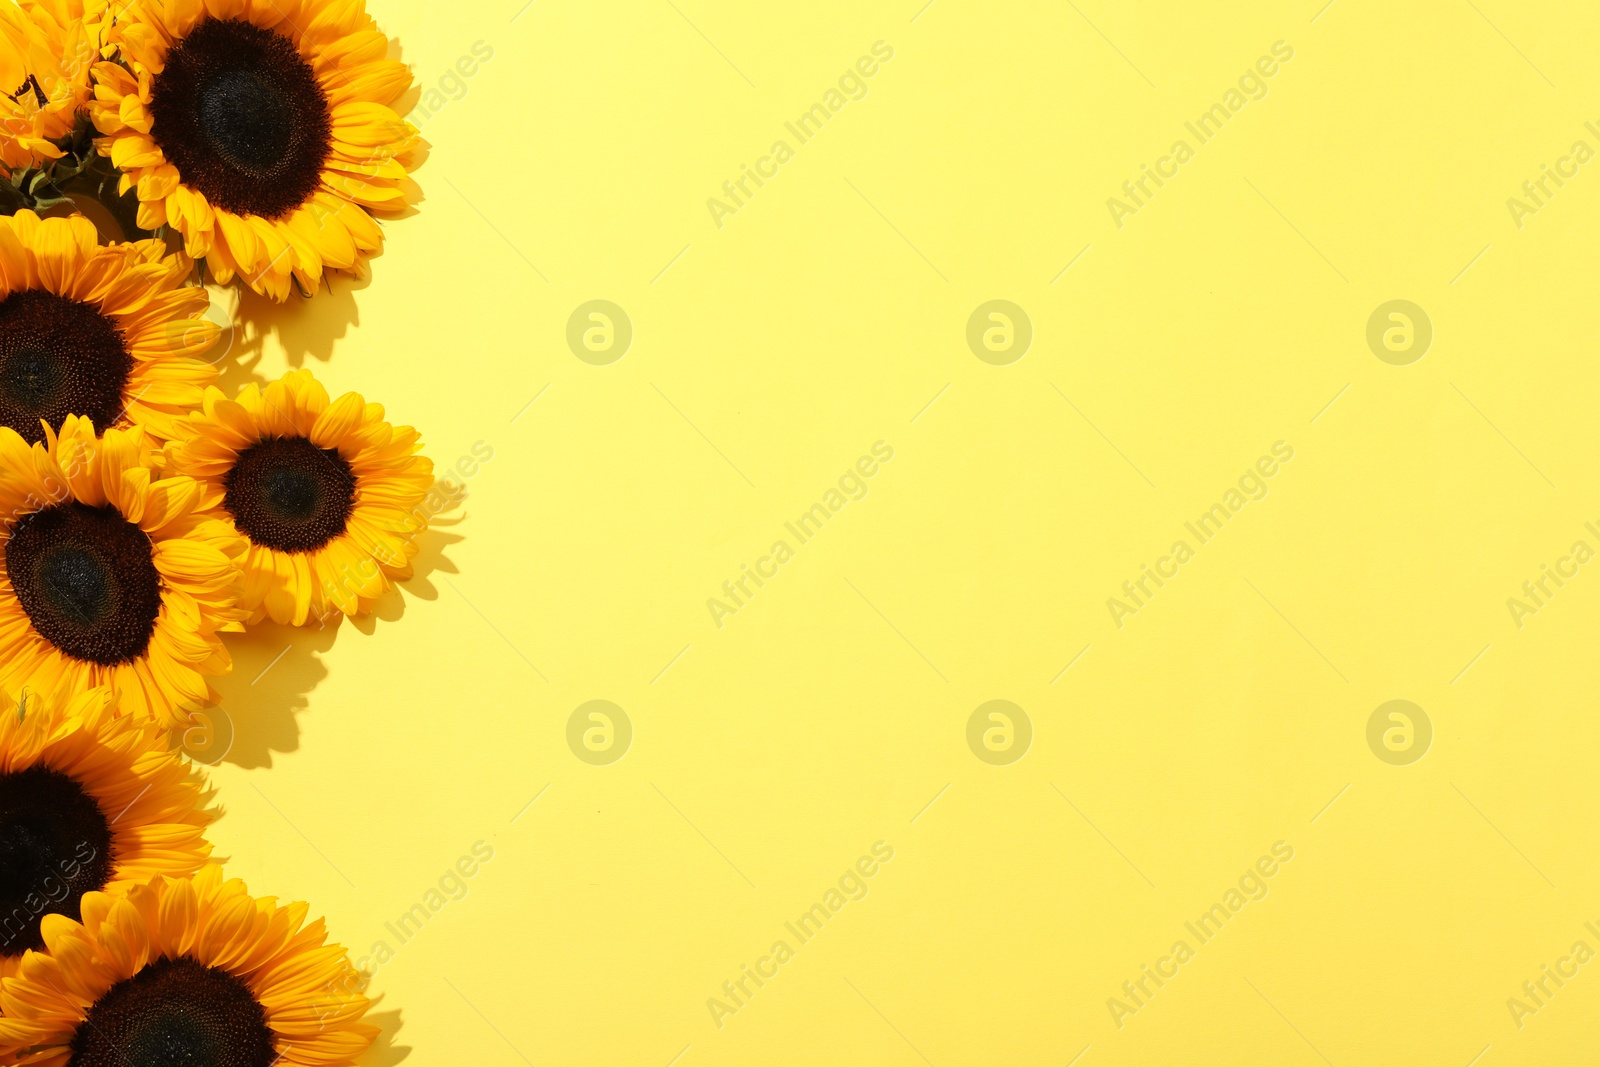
{"points": [[175, 1013], [55, 846], [58, 357], [238, 110], [288, 494], [86, 578]]}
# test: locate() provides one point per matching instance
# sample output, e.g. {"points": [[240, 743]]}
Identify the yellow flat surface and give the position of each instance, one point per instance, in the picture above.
{"points": [[1201, 742]]}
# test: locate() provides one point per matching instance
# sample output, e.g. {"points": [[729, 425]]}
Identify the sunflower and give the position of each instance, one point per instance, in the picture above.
{"points": [[107, 332], [109, 575], [89, 801], [327, 494], [260, 129], [47, 50], [187, 970]]}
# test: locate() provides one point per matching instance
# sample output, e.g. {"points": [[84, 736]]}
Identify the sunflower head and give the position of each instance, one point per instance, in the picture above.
{"points": [[108, 332], [109, 573], [89, 801], [185, 970], [260, 130], [326, 493], [47, 50]]}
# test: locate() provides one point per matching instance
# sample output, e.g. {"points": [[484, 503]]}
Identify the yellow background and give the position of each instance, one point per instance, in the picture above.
{"points": [[770, 353]]}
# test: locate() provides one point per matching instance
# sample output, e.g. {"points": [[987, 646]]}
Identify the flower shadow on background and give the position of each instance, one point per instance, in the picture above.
{"points": [[431, 545], [304, 328], [384, 1052], [276, 667], [405, 106]]}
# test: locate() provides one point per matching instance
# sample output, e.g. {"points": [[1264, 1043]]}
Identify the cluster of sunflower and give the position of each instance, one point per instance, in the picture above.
{"points": [[144, 514]]}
